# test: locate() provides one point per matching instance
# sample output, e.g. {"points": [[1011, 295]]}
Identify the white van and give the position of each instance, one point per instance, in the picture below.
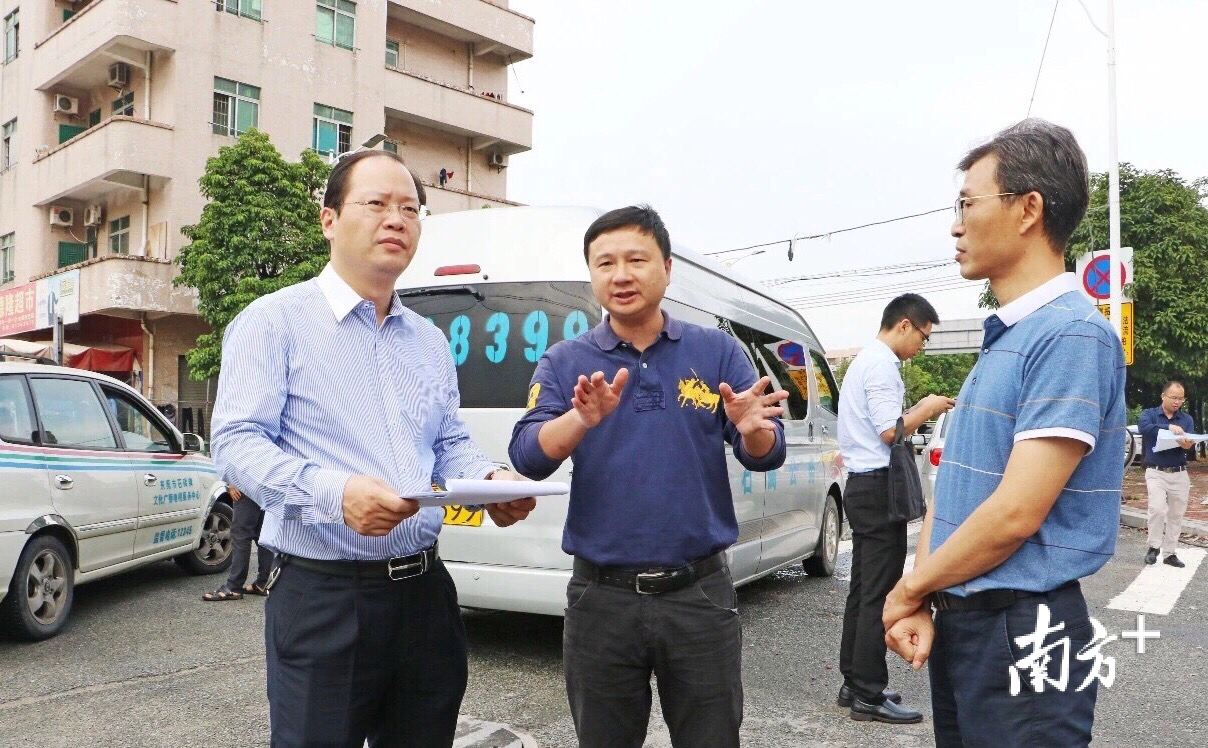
{"points": [[504, 285]]}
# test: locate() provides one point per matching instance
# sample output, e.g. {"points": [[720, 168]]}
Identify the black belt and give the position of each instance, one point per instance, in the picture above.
{"points": [[394, 569], [1167, 468], [989, 599], [868, 473], [652, 581]]}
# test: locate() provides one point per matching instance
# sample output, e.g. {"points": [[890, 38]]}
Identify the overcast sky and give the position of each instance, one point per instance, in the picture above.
{"points": [[754, 121]]}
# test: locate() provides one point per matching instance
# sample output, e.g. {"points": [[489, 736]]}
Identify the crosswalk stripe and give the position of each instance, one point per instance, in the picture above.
{"points": [[1157, 588]]}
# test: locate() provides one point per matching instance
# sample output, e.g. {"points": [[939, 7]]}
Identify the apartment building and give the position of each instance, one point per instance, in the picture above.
{"points": [[110, 108]]}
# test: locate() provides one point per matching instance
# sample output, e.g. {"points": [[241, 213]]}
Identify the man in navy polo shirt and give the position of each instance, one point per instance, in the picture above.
{"points": [[1166, 478], [1028, 496], [650, 511]]}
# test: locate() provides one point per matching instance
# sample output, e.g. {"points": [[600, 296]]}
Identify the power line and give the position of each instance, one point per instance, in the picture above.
{"points": [[825, 234], [1042, 55], [952, 286], [889, 289], [900, 268]]}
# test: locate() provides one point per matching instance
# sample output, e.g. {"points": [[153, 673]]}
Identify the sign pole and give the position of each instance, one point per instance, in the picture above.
{"points": [[1113, 179]]}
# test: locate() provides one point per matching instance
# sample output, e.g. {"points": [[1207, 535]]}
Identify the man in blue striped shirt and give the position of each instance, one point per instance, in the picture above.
{"points": [[334, 403], [1028, 496]]}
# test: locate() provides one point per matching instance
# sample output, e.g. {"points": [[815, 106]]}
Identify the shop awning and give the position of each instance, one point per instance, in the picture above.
{"points": [[87, 356]]}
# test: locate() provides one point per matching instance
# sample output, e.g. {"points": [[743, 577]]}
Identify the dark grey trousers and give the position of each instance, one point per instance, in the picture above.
{"points": [[690, 639], [245, 529]]}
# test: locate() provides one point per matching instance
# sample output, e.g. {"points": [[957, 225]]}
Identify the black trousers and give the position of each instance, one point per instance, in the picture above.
{"points": [[245, 530], [878, 554], [353, 659], [690, 639], [970, 667]]}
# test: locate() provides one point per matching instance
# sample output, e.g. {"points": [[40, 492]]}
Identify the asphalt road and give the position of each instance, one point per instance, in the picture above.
{"points": [[145, 662]]}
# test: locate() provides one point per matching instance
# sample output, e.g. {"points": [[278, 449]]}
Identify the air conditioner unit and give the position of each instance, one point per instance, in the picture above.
{"points": [[495, 158], [60, 216], [66, 105], [93, 215], [119, 75]]}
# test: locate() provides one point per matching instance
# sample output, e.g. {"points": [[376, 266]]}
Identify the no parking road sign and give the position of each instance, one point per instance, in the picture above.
{"points": [[1093, 273]]}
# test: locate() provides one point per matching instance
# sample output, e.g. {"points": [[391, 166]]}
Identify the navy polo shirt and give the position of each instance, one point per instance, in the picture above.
{"points": [[1154, 419], [650, 487]]}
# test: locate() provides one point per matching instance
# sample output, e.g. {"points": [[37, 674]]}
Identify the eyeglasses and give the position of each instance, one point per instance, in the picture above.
{"points": [[926, 337], [964, 202], [380, 208], [1174, 399]]}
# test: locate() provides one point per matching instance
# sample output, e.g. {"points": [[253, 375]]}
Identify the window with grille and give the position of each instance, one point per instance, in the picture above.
{"points": [[119, 236], [124, 105], [335, 22], [332, 130], [391, 53], [9, 155], [12, 33], [236, 107], [8, 269], [245, 8]]}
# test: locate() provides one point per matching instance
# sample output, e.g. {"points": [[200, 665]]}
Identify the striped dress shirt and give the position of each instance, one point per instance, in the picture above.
{"points": [[313, 391]]}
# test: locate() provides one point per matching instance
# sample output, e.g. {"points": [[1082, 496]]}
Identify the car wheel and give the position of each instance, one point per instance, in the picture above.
{"points": [[39, 598], [822, 563], [213, 552]]}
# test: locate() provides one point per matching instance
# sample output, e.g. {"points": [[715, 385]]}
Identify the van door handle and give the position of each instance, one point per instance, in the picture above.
{"points": [[825, 431], [64, 482], [149, 479], [810, 431]]}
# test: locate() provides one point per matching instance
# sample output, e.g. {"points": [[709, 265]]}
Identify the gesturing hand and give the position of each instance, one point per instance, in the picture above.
{"points": [[373, 508], [595, 398], [751, 410]]}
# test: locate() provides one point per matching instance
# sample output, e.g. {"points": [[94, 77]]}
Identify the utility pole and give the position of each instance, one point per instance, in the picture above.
{"points": [[1113, 177]]}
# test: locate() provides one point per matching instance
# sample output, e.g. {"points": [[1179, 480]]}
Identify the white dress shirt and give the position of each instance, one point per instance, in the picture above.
{"points": [[870, 402]]}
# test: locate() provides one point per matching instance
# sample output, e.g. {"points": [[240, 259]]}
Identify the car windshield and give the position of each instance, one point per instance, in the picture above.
{"points": [[498, 331]]}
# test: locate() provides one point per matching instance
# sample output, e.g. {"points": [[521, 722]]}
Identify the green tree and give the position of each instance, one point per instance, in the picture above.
{"points": [[941, 374], [1164, 219], [259, 232]]}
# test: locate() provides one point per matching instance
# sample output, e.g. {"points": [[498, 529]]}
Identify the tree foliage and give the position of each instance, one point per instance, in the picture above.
{"points": [[941, 374], [259, 232], [1164, 219]]}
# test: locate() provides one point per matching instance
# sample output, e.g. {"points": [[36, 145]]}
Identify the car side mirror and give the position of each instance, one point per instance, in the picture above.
{"points": [[193, 443], [918, 440]]}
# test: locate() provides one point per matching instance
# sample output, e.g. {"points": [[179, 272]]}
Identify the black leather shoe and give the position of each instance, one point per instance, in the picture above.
{"points": [[1173, 560], [846, 696], [1151, 557], [862, 711]]}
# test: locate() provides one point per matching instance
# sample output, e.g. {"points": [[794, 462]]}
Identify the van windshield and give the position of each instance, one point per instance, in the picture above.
{"points": [[498, 331]]}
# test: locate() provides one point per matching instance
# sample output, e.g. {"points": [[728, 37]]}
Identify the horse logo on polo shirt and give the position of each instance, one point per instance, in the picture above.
{"points": [[694, 391]]}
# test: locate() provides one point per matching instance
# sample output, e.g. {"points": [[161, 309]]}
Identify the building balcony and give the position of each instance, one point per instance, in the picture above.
{"points": [[492, 28], [114, 155], [128, 286], [491, 123], [78, 53], [449, 200]]}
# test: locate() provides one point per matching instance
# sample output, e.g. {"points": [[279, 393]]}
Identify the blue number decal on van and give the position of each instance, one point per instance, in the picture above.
{"points": [[536, 332], [498, 323], [459, 339], [575, 325]]}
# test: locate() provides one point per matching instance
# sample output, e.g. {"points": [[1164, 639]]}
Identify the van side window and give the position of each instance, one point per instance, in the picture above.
{"points": [[16, 425], [783, 361], [828, 392]]}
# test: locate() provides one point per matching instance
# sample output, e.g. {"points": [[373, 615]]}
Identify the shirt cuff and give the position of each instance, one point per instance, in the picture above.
{"points": [[1063, 433], [326, 490]]}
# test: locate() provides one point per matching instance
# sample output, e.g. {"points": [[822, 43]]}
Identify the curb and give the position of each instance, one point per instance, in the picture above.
{"points": [[1140, 520]]}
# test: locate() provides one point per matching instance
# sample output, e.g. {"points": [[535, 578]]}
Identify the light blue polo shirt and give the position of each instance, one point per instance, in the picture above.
{"points": [[1050, 366]]}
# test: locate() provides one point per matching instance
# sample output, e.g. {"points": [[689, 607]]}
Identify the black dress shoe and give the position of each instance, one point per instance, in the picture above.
{"points": [[1151, 556], [862, 711], [846, 696], [1173, 560]]}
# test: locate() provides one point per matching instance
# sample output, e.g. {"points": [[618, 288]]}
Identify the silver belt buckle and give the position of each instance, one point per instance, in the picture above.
{"points": [[407, 570], [651, 575]]}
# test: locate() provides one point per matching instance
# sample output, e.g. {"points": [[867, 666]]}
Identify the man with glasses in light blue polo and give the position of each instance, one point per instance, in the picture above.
{"points": [[1028, 498], [335, 403]]}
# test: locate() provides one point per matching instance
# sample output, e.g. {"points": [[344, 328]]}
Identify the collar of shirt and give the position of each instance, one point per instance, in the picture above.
{"points": [[1057, 286], [880, 348], [604, 336], [343, 299]]}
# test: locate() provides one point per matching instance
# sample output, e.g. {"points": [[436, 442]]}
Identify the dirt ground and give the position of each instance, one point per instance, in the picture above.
{"points": [[1134, 493]]}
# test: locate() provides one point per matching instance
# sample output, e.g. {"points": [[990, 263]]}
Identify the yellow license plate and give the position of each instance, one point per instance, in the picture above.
{"points": [[460, 515]]}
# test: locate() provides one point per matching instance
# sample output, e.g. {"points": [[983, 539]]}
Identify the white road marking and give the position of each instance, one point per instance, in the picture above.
{"points": [[1157, 588]]}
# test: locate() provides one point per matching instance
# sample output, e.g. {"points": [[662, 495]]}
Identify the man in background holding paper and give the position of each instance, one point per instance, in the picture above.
{"points": [[1166, 477], [334, 403], [650, 512]]}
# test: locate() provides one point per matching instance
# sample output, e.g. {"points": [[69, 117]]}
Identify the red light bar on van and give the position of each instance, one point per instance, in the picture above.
{"points": [[458, 270]]}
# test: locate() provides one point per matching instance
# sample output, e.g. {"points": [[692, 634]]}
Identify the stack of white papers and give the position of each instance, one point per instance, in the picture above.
{"points": [[1169, 440]]}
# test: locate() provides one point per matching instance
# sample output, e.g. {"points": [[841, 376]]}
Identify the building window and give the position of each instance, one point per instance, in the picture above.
{"points": [[391, 54], [9, 156], [8, 270], [94, 118], [335, 22], [245, 8], [12, 34], [124, 105], [236, 107], [332, 131], [119, 236]]}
